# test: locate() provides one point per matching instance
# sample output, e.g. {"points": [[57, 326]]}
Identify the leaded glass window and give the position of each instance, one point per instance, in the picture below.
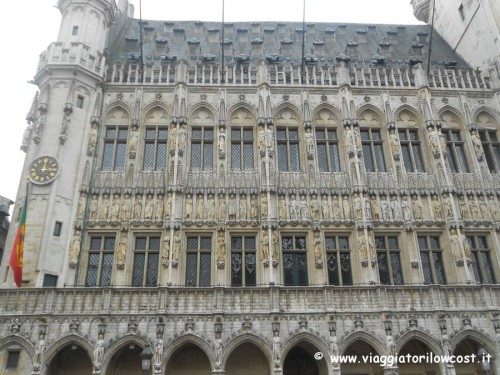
{"points": [[491, 147], [481, 261], [455, 151], [338, 260], [410, 149], [288, 149], [198, 261], [373, 151], [155, 148], [388, 259], [115, 148], [294, 260], [146, 261], [432, 260], [202, 148], [327, 144], [241, 148], [100, 264], [243, 261]]}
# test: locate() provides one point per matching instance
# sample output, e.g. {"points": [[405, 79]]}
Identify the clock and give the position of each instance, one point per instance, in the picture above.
{"points": [[44, 170]]}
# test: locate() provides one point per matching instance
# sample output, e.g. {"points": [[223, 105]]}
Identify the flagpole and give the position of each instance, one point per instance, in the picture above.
{"points": [[303, 40], [140, 39], [222, 46]]}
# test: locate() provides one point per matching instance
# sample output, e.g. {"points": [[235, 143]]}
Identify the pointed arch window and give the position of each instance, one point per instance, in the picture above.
{"points": [[115, 148]]}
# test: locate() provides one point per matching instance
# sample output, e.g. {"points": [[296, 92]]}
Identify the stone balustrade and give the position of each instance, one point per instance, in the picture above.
{"points": [[180, 300]]}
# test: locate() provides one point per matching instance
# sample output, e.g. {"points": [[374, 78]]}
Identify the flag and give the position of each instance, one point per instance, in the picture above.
{"points": [[16, 257]]}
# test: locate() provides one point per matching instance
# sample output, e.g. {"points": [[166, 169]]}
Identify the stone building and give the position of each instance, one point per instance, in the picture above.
{"points": [[239, 208]]}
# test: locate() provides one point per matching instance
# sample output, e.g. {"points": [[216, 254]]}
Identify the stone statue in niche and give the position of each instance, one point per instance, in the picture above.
{"points": [[374, 208], [222, 207], [232, 207], [493, 207], [434, 140], [318, 258], [416, 208], [264, 209], [357, 206], [357, 140], [98, 354], [385, 208], [222, 143], [80, 211], [368, 209], [254, 209], [149, 208], [158, 354], [172, 135], [448, 207], [362, 246], [165, 250], [261, 139], [188, 207], [406, 209], [115, 208], [349, 140], [483, 207], [337, 209], [282, 208], [325, 209], [243, 207], [26, 137], [210, 208], [74, 251], [92, 140], [464, 208], [277, 349], [474, 210], [126, 207], [294, 208], [436, 207], [478, 147], [121, 254], [66, 123], [309, 144], [442, 142], [304, 209], [270, 138], [276, 247], [169, 205], [221, 250], [455, 246], [182, 138], [39, 124], [346, 205], [134, 137], [315, 210], [138, 207], [104, 208], [176, 249], [396, 209], [93, 207], [39, 353], [393, 138], [199, 207], [160, 208], [264, 243]]}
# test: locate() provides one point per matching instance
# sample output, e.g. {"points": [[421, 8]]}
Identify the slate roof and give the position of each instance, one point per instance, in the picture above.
{"points": [[324, 42]]}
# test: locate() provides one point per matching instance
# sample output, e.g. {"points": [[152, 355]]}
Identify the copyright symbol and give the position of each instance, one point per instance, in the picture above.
{"points": [[318, 356]]}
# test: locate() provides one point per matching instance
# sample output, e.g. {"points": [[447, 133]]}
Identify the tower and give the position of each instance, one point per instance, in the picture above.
{"points": [[70, 76]]}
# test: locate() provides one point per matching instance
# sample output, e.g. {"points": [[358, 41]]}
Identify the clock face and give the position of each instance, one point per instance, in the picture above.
{"points": [[44, 170]]}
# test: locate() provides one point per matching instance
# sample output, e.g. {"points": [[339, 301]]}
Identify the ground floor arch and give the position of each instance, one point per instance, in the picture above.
{"points": [[72, 359], [247, 359], [189, 359], [300, 360], [465, 350], [418, 359], [361, 359], [126, 361]]}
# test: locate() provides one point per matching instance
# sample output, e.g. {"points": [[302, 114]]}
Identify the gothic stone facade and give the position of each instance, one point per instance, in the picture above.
{"points": [[240, 212]]}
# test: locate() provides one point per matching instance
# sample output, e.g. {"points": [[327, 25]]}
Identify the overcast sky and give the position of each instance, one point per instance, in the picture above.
{"points": [[29, 26]]}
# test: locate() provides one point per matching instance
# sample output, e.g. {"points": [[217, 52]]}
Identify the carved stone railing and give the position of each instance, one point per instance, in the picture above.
{"points": [[178, 300], [334, 182], [420, 182], [382, 182], [463, 78], [201, 179], [243, 179], [73, 53], [467, 182], [292, 180], [109, 179]]}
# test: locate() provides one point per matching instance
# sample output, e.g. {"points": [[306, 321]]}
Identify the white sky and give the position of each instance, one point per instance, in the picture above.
{"points": [[29, 26]]}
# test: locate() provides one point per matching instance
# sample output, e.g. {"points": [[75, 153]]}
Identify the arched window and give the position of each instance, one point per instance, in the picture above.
{"points": [[487, 126], [242, 140], [155, 140], [115, 140], [455, 144], [287, 139], [202, 140], [407, 124], [371, 141], [327, 141]]}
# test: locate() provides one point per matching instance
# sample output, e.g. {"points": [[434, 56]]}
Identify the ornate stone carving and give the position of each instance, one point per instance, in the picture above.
{"points": [[74, 251]]}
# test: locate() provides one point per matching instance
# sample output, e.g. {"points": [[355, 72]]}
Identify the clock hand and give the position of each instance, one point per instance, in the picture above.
{"points": [[44, 168]]}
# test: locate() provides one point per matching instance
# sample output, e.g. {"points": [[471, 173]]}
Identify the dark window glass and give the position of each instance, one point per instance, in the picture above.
{"points": [[199, 261], [241, 148], [410, 149], [49, 281], [328, 150], [432, 260], [243, 261], [294, 260], [491, 148], [57, 229], [481, 261], [12, 359], [388, 259], [155, 148], [100, 265], [79, 101], [338, 258], [373, 152], [115, 148], [288, 149], [202, 139], [146, 261], [455, 151]]}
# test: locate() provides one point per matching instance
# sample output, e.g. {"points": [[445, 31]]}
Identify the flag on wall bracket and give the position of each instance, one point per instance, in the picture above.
{"points": [[17, 255]]}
